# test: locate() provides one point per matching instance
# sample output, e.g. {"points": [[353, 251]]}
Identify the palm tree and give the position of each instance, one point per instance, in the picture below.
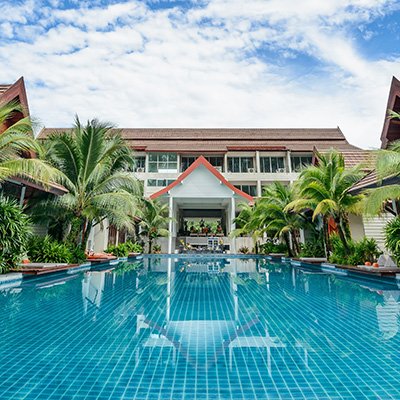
{"points": [[93, 162], [247, 225], [268, 215], [387, 166], [276, 219], [154, 219], [16, 144], [324, 189]]}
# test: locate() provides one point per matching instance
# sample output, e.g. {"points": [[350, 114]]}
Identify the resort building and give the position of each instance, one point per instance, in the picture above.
{"points": [[204, 174]]}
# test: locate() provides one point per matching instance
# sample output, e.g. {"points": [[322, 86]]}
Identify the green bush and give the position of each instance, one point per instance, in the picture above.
{"points": [[14, 233], [312, 248], [156, 248], [359, 252], [47, 250], [134, 247], [392, 238], [244, 250], [123, 249], [271, 247], [120, 250]]}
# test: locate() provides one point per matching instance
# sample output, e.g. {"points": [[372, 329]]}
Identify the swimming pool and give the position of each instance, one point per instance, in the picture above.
{"points": [[205, 328]]}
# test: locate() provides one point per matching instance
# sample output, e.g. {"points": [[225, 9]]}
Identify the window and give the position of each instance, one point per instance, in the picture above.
{"points": [[272, 164], [216, 161], [163, 162], [159, 182], [249, 189], [241, 164], [299, 162], [186, 162], [140, 164]]}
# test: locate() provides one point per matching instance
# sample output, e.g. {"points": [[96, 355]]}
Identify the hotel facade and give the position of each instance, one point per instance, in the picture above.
{"points": [[204, 174]]}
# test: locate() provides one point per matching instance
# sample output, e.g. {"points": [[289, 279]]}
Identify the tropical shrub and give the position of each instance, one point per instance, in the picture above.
{"points": [[120, 250], [360, 252], [123, 249], [14, 233], [312, 248], [47, 250], [271, 247], [134, 247], [157, 248], [392, 238], [244, 250]]}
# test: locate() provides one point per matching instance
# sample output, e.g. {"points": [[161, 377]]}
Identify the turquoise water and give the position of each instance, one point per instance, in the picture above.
{"points": [[200, 328]]}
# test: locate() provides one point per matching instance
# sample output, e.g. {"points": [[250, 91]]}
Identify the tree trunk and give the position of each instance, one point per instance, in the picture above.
{"points": [[325, 234], [296, 246], [150, 244], [85, 234], [342, 236], [287, 242]]}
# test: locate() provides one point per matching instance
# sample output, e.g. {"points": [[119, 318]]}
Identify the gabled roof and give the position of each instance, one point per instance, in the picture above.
{"points": [[371, 181], [391, 127], [221, 140], [16, 90], [201, 161]]}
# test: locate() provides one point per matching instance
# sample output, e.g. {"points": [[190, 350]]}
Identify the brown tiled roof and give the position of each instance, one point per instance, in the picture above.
{"points": [[198, 140], [355, 157], [4, 88], [15, 91], [371, 181], [391, 127]]}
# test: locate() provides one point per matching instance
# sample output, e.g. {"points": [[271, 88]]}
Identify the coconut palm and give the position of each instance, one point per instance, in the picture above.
{"points": [[247, 225], [93, 162], [17, 142], [154, 220], [324, 189], [387, 166], [277, 221], [268, 215]]}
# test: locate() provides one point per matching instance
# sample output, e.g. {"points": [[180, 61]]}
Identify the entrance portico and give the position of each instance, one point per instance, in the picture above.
{"points": [[201, 192]]}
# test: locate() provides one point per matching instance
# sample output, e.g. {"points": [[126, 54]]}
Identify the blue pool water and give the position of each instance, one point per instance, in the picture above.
{"points": [[200, 328]]}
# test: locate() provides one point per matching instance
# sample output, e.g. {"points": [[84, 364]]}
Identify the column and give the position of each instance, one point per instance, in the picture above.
{"points": [[258, 165], [259, 188], [22, 195], [170, 224], [225, 163], [288, 161], [289, 165], [233, 225]]}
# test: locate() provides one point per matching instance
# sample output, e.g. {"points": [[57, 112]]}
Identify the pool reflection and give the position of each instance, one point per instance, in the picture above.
{"points": [[201, 328]]}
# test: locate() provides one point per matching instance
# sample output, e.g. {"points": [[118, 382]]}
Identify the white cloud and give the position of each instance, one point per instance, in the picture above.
{"points": [[141, 67]]}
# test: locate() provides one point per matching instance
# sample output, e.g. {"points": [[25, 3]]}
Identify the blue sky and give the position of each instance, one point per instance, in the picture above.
{"points": [[206, 63]]}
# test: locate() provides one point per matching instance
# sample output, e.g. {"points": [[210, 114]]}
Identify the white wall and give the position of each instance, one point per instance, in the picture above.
{"points": [[374, 228], [98, 238], [356, 227]]}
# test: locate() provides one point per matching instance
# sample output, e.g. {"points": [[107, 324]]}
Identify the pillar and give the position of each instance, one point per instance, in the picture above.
{"points": [[22, 195], [170, 226], [258, 164], [233, 225], [289, 162]]}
